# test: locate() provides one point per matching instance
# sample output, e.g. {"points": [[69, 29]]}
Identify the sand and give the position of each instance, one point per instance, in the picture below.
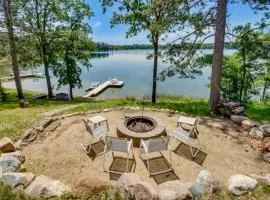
{"points": [[61, 157]]}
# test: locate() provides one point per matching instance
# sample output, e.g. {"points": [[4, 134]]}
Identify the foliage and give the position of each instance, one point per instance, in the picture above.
{"points": [[193, 30], [244, 72], [264, 61], [74, 45], [40, 20], [3, 94], [159, 18]]}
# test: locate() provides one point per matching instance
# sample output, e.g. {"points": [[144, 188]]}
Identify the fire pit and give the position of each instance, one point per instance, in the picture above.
{"points": [[140, 127]]}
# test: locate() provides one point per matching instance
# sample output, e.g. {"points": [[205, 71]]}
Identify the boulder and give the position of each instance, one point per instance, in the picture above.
{"points": [[231, 104], [144, 190], [54, 125], [255, 133], [44, 124], [167, 195], [197, 190], [238, 118], [263, 179], [265, 129], [127, 182], [9, 164], [29, 135], [17, 154], [44, 187], [174, 190], [238, 110], [266, 144], [90, 185], [6, 145], [17, 179], [240, 184], [19, 145], [266, 157], [209, 183], [247, 124]]}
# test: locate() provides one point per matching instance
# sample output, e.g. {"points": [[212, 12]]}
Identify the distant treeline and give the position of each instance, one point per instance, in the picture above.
{"points": [[101, 46]]}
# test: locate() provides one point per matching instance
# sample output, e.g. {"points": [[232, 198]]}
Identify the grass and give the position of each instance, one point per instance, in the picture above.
{"points": [[14, 120], [260, 193], [259, 111], [6, 193]]}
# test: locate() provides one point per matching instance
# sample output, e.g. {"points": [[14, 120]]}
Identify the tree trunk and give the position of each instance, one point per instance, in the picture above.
{"points": [[264, 91], [12, 46], [71, 91], [218, 55], [243, 80], [46, 69], [154, 89]]}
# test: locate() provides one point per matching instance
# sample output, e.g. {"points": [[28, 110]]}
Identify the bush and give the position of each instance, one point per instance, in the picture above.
{"points": [[3, 95]]}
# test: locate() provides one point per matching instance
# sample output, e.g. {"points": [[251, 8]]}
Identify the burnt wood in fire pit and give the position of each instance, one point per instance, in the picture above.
{"points": [[140, 127]]}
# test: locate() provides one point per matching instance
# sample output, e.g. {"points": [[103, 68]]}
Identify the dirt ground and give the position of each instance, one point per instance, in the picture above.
{"points": [[61, 157]]}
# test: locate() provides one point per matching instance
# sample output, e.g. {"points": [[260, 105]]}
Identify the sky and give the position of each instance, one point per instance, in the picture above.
{"points": [[102, 31]]}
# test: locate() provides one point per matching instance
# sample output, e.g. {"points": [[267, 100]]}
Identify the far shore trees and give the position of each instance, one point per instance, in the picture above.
{"points": [[157, 17], [8, 10]]}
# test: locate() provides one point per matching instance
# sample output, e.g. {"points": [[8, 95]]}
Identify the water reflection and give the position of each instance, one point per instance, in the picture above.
{"points": [[135, 70]]}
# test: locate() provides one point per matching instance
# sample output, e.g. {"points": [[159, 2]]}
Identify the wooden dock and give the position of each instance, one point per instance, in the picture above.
{"points": [[11, 78], [103, 87]]}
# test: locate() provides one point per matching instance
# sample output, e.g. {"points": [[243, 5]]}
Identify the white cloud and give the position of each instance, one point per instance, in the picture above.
{"points": [[97, 24]]}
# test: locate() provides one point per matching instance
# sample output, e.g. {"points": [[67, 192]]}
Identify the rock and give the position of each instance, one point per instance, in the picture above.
{"points": [[265, 129], [171, 190], [167, 195], [17, 179], [144, 190], [208, 181], [54, 125], [126, 183], [238, 110], [9, 164], [231, 104], [266, 157], [240, 184], [19, 145], [266, 145], [44, 124], [263, 179], [247, 124], [6, 145], [29, 135], [44, 187], [197, 190], [88, 185], [17, 154], [255, 133], [107, 110], [238, 118]]}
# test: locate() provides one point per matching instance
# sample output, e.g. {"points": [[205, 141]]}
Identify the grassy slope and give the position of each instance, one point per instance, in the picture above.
{"points": [[14, 120]]}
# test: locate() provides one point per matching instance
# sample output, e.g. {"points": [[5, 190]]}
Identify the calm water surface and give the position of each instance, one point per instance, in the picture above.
{"points": [[130, 66]]}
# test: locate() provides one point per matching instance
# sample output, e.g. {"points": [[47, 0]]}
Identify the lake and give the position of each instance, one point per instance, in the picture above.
{"points": [[130, 66]]}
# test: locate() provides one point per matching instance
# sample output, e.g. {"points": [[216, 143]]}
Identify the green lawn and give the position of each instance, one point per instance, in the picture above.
{"points": [[14, 120]]}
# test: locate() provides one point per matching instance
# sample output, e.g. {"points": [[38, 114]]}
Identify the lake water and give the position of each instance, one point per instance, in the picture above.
{"points": [[130, 66]]}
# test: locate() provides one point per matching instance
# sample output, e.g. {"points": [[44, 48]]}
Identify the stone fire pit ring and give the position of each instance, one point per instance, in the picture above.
{"points": [[124, 132]]}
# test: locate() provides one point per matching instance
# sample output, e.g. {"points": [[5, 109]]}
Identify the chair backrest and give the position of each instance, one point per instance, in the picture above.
{"points": [[87, 126], [158, 144], [118, 144]]}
